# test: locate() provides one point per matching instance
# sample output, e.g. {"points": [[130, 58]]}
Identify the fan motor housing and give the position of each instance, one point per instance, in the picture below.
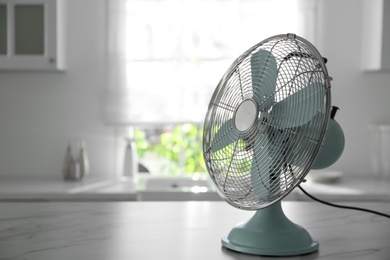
{"points": [[332, 147]]}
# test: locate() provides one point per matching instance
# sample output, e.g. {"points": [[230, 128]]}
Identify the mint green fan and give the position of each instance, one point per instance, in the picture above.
{"points": [[265, 128]]}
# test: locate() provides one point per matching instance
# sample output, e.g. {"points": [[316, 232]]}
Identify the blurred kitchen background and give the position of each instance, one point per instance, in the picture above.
{"points": [[109, 74]]}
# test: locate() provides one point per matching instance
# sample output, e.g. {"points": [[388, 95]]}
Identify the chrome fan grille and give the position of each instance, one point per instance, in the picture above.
{"points": [[258, 164]]}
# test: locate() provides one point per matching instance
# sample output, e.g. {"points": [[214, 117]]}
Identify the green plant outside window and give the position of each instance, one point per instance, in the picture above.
{"points": [[180, 146]]}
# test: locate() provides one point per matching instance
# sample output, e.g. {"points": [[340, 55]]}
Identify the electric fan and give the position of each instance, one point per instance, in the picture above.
{"points": [[268, 123]]}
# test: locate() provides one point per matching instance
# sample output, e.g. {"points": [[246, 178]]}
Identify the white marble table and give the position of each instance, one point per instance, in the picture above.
{"points": [[174, 230]]}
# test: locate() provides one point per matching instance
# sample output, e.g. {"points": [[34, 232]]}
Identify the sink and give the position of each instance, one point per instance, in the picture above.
{"points": [[174, 183], [176, 189]]}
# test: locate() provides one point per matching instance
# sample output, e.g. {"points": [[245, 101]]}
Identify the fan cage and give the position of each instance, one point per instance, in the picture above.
{"points": [[280, 155]]}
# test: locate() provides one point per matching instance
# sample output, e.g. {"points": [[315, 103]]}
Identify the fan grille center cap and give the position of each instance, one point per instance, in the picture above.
{"points": [[245, 115]]}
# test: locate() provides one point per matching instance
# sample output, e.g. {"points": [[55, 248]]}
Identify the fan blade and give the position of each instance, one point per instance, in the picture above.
{"points": [[268, 164], [225, 135], [264, 74], [260, 180], [296, 110]]}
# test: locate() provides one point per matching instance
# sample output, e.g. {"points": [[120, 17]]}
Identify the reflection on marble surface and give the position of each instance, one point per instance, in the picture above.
{"points": [[174, 230]]}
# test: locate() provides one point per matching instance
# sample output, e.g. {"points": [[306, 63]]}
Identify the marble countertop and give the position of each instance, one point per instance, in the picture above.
{"points": [[104, 189], [175, 230], [56, 189]]}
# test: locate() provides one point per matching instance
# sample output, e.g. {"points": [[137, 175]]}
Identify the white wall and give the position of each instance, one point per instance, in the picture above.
{"points": [[362, 96], [41, 111]]}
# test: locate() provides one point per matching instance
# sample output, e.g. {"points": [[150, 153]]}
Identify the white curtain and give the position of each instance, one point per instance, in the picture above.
{"points": [[117, 95], [165, 58]]}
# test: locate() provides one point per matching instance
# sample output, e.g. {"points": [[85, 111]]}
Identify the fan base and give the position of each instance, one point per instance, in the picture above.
{"points": [[270, 232]]}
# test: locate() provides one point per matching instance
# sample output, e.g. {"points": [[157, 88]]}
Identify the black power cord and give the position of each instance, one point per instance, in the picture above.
{"points": [[343, 206]]}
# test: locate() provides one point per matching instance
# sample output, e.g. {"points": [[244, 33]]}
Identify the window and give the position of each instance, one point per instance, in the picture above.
{"points": [[174, 53], [177, 50]]}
